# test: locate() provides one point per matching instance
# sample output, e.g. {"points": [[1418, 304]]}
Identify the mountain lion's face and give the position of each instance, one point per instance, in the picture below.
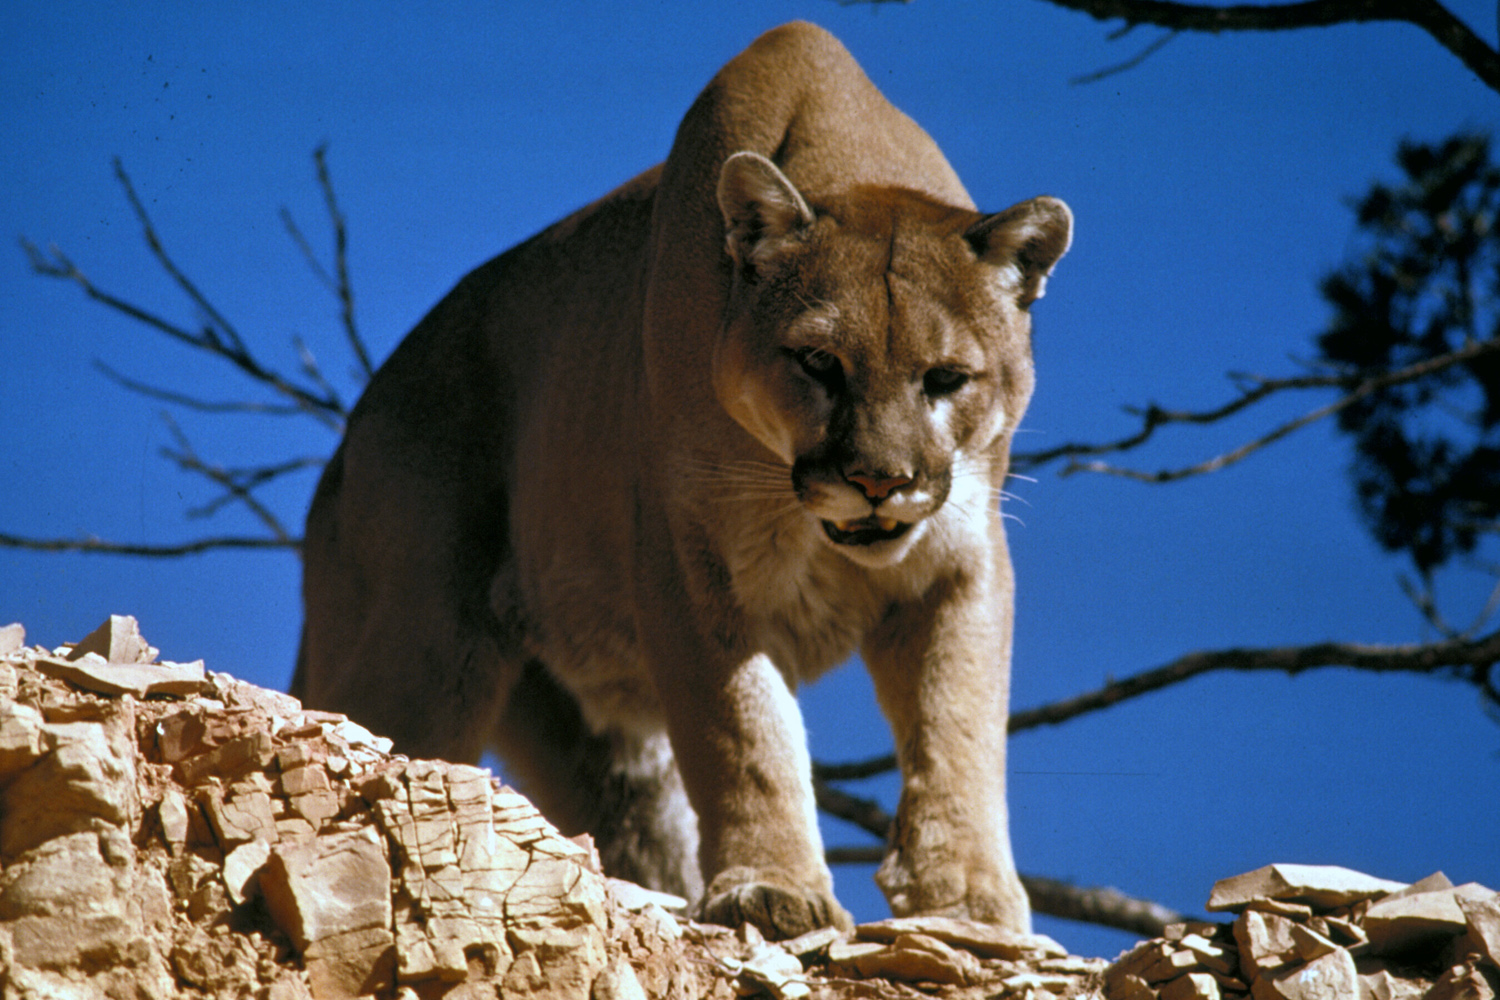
{"points": [[880, 346]]}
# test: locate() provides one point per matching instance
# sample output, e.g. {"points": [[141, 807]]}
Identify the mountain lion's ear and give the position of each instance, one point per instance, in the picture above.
{"points": [[761, 208], [1028, 238]]}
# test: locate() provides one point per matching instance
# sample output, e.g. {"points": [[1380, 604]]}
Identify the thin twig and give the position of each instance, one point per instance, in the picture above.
{"points": [[328, 410], [1422, 599], [217, 336], [187, 459], [1259, 388], [1128, 64], [337, 282], [254, 478], [211, 334], [1101, 905], [345, 290], [194, 403], [1218, 461]]}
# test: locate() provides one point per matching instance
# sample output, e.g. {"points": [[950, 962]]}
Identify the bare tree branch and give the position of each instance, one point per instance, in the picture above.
{"points": [[100, 547], [1254, 389], [1432, 17], [1477, 655], [238, 484], [338, 282], [312, 396], [1474, 657], [218, 327], [217, 336], [1103, 905]]}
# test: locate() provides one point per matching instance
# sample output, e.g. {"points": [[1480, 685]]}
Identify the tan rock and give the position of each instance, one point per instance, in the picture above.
{"points": [[87, 780], [117, 640], [618, 981], [907, 957], [142, 829], [1178, 963], [332, 898], [985, 940], [309, 777], [1382, 985], [1230, 984], [352, 965], [1037, 984], [1071, 965], [242, 869], [1193, 986], [317, 808], [1345, 932], [1319, 886], [172, 814], [1128, 987], [301, 753], [1266, 942], [1310, 944], [12, 638], [769, 970], [20, 736], [1466, 981], [1482, 914], [239, 814], [1331, 977], [849, 953], [1137, 960], [237, 756], [1282, 908], [93, 672], [1426, 915], [804, 944], [1208, 954]]}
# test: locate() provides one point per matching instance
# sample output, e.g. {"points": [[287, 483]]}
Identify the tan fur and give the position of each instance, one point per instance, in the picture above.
{"points": [[580, 516]]}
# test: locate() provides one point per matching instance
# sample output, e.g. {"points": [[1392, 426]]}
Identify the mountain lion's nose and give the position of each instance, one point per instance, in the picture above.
{"points": [[877, 487]]}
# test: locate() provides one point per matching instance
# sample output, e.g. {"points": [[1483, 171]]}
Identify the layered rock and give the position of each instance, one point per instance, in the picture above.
{"points": [[1321, 932], [170, 832], [167, 831]]}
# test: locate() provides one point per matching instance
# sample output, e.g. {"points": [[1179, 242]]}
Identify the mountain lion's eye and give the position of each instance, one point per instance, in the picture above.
{"points": [[820, 365], [943, 381]]}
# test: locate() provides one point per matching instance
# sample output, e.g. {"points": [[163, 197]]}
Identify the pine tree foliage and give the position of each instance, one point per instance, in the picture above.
{"points": [[1426, 283]]}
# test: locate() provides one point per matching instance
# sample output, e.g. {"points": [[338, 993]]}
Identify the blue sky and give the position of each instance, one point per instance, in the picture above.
{"points": [[1210, 186]]}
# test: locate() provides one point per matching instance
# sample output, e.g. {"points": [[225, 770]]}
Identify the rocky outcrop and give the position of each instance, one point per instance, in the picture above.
{"points": [[170, 832], [167, 831], [1321, 932]]}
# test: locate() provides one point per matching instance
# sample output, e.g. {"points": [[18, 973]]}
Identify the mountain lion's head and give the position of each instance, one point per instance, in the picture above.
{"points": [[878, 343]]}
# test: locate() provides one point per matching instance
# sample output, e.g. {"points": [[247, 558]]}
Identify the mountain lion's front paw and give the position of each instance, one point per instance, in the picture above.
{"points": [[988, 895], [772, 901]]}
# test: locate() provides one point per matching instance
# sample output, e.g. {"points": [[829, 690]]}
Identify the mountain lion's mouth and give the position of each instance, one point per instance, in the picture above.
{"points": [[865, 530]]}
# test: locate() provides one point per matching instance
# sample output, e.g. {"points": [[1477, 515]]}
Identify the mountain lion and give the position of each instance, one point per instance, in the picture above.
{"points": [[633, 480]]}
